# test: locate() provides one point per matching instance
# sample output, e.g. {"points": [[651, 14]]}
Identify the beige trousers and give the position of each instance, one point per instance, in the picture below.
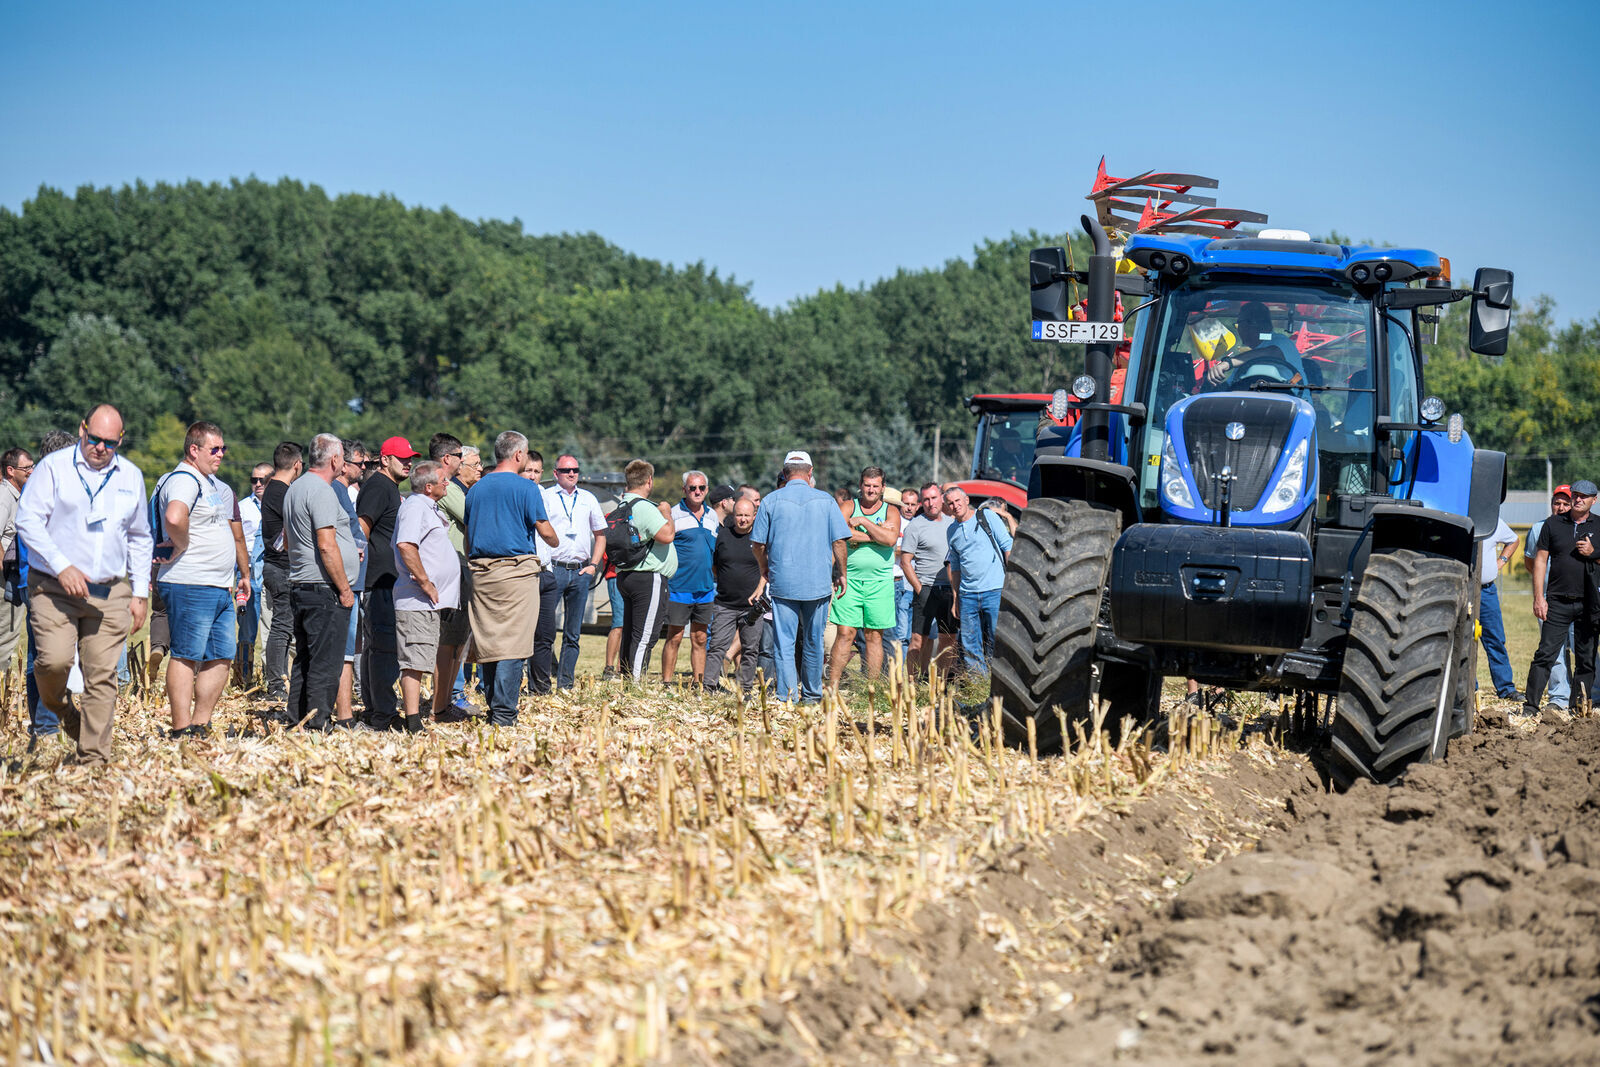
{"points": [[96, 630], [13, 621]]}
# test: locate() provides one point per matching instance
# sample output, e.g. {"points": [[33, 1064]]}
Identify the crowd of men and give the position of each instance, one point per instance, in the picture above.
{"points": [[364, 575]]}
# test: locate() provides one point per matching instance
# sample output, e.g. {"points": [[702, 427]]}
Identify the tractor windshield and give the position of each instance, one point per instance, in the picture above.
{"points": [[1005, 446], [1310, 339]]}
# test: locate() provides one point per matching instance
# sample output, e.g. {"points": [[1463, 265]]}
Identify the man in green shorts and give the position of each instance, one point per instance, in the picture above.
{"points": [[867, 602]]}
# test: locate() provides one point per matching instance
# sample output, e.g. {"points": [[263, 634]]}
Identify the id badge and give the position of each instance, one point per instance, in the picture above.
{"points": [[97, 515]]}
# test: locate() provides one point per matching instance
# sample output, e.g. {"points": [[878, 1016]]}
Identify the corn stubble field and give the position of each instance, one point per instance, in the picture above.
{"points": [[628, 875]]}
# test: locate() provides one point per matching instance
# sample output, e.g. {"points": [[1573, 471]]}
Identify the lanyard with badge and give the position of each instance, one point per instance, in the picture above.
{"points": [[572, 530], [97, 513]]}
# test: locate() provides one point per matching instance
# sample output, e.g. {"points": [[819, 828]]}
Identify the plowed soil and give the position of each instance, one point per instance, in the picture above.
{"points": [[1454, 918]]}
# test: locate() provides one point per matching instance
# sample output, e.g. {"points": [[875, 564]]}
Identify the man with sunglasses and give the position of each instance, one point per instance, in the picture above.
{"points": [[87, 530], [577, 517], [693, 588], [17, 464], [202, 546], [250, 611], [377, 507]]}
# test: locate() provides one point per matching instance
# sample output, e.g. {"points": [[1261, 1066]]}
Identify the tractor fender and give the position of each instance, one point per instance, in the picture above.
{"points": [[1109, 485], [1439, 533], [1488, 491]]}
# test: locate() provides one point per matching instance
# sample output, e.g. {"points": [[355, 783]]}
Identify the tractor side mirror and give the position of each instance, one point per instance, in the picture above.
{"points": [[1490, 328], [1047, 287]]}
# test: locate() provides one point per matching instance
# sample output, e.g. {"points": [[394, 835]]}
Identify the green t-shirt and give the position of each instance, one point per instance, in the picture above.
{"points": [[870, 562], [662, 559]]}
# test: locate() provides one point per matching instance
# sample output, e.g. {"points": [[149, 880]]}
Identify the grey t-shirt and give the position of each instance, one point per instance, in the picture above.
{"points": [[929, 544], [308, 507]]}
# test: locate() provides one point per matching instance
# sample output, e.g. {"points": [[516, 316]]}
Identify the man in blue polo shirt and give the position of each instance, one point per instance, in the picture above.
{"points": [[979, 543], [689, 596], [799, 543]]}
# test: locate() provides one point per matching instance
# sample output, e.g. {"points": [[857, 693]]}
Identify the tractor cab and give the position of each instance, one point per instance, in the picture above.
{"points": [[1002, 451]]}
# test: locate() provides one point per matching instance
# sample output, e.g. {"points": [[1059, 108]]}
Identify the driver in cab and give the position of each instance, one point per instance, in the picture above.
{"points": [[1254, 341]]}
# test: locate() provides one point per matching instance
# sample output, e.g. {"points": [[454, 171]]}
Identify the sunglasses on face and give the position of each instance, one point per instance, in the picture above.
{"points": [[371, 464], [697, 489], [451, 455], [257, 481], [110, 444], [24, 470], [219, 450], [566, 470]]}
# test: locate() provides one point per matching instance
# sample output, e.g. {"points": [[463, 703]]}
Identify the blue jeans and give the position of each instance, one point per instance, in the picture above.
{"points": [[544, 635], [502, 681], [1494, 641], [1558, 690], [572, 589], [805, 622], [902, 614], [979, 613], [42, 721]]}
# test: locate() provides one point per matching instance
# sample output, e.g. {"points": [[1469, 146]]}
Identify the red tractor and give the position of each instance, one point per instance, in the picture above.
{"points": [[1002, 453]]}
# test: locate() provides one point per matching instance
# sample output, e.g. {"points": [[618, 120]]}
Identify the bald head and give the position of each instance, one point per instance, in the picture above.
{"points": [[100, 435]]}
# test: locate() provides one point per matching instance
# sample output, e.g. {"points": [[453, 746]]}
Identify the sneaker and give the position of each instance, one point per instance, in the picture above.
{"points": [[1511, 694], [198, 729], [608, 674], [455, 713]]}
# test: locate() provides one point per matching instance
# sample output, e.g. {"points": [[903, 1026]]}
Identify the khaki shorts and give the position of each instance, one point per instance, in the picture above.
{"points": [[416, 636]]}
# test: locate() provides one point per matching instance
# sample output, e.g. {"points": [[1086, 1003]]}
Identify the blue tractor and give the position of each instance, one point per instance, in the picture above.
{"points": [[1274, 503]]}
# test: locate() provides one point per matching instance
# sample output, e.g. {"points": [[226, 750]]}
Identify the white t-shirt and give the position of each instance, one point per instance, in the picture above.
{"points": [[210, 558], [419, 523], [1489, 562], [577, 517]]}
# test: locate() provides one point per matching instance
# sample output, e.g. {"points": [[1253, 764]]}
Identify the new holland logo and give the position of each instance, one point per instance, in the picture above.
{"points": [[1234, 430]]}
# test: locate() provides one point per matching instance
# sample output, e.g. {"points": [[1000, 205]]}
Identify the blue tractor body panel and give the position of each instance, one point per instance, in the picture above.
{"points": [[1443, 474]]}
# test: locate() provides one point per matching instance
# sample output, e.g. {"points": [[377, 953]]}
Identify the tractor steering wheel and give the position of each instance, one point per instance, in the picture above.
{"points": [[1254, 366]]}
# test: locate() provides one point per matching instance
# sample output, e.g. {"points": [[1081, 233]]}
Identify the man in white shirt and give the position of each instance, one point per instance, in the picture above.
{"points": [[87, 530], [202, 546], [15, 466], [577, 518]]}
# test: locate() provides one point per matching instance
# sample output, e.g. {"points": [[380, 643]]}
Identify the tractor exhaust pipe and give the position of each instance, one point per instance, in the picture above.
{"points": [[1096, 424]]}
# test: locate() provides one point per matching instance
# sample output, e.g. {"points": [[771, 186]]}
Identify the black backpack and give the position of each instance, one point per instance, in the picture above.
{"points": [[624, 550]]}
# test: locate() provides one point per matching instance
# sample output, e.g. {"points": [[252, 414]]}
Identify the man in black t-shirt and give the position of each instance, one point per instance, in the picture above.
{"points": [[376, 508], [1564, 594], [287, 464], [737, 608]]}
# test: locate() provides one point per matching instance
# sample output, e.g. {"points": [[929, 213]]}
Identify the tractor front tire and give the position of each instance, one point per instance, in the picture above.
{"points": [[1049, 610], [1399, 685]]}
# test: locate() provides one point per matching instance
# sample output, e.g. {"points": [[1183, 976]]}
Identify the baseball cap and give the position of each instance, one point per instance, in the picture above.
{"points": [[1584, 488], [718, 494], [398, 447], [799, 457], [1562, 490]]}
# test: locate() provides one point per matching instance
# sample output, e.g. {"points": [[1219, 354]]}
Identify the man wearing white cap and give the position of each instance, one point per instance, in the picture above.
{"points": [[798, 539]]}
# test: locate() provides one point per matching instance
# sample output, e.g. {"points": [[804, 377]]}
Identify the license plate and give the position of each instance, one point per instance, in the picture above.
{"points": [[1077, 333]]}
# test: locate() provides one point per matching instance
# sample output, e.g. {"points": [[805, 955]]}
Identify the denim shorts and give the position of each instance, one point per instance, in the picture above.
{"points": [[202, 621], [350, 643]]}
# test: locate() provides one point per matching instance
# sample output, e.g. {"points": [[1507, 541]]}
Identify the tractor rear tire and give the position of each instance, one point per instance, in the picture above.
{"points": [[1401, 662], [1049, 611]]}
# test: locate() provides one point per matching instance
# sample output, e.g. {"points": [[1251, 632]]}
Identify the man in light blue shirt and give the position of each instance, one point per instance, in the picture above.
{"points": [[979, 543], [799, 543]]}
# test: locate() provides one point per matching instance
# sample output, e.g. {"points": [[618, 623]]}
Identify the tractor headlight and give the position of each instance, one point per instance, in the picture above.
{"points": [[1083, 387], [1290, 482], [1173, 487]]}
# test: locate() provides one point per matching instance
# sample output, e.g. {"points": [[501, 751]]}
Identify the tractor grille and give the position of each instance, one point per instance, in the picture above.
{"points": [[1267, 421]]}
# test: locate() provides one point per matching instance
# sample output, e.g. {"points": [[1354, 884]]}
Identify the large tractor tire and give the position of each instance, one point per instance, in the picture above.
{"points": [[1044, 638], [1401, 663]]}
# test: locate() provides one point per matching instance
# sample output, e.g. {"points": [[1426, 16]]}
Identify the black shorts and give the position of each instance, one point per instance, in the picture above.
{"points": [[683, 614], [930, 611]]}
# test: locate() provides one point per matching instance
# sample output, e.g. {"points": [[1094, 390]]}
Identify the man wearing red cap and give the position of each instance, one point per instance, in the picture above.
{"points": [[376, 507]]}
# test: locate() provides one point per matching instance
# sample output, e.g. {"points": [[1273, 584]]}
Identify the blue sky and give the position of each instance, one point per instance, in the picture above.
{"points": [[796, 146]]}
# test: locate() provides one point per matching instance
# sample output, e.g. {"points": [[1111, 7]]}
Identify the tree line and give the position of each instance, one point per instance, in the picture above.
{"points": [[279, 311]]}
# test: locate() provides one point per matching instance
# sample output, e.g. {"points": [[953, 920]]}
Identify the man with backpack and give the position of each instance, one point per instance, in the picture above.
{"points": [[639, 543], [979, 543], [200, 540]]}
